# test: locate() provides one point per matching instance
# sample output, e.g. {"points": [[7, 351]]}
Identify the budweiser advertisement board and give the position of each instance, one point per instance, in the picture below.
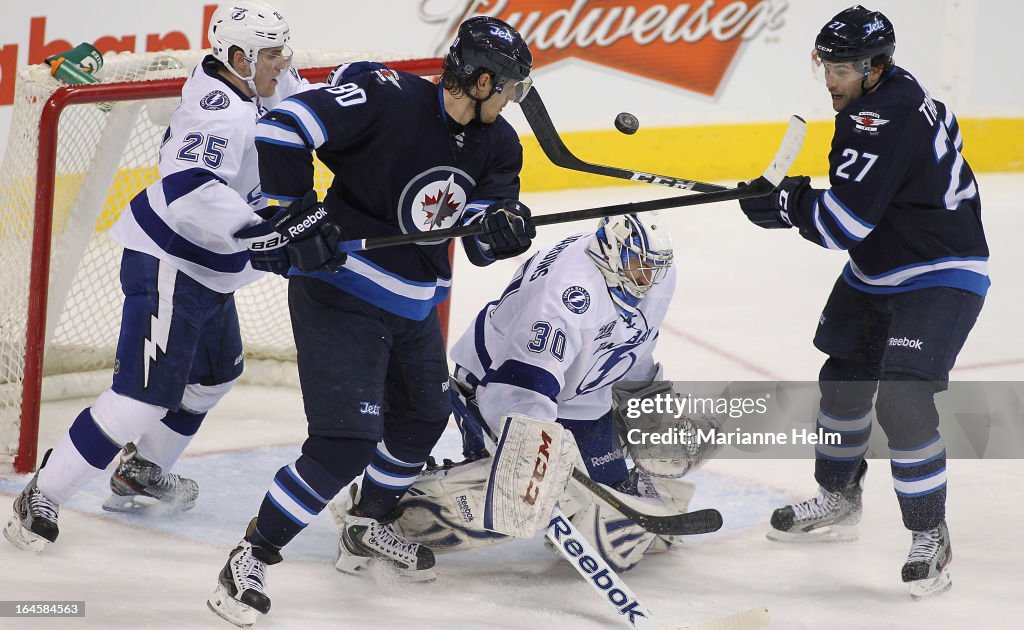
{"points": [[687, 44]]}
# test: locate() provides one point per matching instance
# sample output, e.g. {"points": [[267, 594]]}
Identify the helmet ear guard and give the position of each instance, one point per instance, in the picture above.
{"points": [[633, 254]]}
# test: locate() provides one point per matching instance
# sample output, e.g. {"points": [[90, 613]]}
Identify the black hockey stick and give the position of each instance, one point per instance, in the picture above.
{"points": [[762, 185], [685, 523], [560, 155]]}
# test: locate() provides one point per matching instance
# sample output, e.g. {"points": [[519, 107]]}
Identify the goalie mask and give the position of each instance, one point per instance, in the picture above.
{"points": [[252, 26], [633, 255]]}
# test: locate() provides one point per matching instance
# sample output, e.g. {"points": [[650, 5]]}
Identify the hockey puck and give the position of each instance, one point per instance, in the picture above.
{"points": [[627, 123]]}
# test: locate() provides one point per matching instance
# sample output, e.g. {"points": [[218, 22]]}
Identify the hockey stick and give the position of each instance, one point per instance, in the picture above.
{"points": [[762, 185], [560, 155], [572, 546], [685, 523]]}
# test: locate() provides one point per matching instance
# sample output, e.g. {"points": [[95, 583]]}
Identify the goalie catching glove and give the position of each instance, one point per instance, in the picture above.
{"points": [[300, 235]]}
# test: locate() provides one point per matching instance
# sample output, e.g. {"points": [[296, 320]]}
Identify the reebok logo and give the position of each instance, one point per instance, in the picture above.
{"points": [[597, 572], [464, 510], [913, 344], [308, 222], [607, 458]]}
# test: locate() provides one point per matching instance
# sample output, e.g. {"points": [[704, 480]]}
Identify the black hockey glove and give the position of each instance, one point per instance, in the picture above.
{"points": [[772, 210], [312, 236], [507, 229], [267, 251]]}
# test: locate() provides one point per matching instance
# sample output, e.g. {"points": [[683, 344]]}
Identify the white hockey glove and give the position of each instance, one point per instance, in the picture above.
{"points": [[681, 451]]}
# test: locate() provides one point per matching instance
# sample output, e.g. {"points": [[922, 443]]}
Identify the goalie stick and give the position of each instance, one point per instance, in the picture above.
{"points": [[560, 155], [762, 185], [685, 523], [578, 552]]}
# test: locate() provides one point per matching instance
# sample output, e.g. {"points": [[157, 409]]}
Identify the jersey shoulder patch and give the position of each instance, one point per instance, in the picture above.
{"points": [[215, 100], [576, 299]]}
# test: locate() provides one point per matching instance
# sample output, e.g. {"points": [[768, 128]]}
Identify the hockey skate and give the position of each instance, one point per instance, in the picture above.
{"points": [[34, 522], [365, 542], [241, 594], [139, 484], [927, 566], [828, 517]]}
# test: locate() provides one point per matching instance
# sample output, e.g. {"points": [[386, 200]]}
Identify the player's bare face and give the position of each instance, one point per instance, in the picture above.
{"points": [[843, 82], [492, 107], [270, 64]]}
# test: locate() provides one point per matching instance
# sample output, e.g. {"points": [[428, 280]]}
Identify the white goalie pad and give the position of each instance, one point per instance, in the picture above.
{"points": [[621, 542], [443, 510], [531, 467]]}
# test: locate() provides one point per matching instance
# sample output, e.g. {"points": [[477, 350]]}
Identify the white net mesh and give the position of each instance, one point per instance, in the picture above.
{"points": [[106, 153]]}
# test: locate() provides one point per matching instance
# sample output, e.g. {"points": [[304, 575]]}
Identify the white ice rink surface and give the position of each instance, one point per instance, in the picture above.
{"points": [[745, 309]]}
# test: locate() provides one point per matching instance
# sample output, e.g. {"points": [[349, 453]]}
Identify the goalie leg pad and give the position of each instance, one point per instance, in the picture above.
{"points": [[444, 509], [531, 468]]}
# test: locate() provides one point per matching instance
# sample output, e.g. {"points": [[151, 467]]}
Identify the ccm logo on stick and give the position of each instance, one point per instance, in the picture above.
{"points": [[540, 468]]}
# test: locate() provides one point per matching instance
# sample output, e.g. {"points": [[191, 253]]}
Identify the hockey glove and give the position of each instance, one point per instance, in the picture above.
{"points": [[507, 229], [772, 211], [312, 238], [267, 250]]}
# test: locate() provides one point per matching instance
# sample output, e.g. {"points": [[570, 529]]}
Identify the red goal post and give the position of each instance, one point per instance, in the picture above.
{"points": [[72, 343]]}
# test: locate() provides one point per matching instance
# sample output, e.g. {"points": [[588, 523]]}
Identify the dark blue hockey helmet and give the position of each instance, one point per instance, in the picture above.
{"points": [[485, 43], [858, 36]]}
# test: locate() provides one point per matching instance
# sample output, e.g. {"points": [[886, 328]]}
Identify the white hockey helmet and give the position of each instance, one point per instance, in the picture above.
{"points": [[633, 254], [252, 26]]}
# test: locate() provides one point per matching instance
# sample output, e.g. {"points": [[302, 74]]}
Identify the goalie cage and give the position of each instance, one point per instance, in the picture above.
{"points": [[75, 156]]}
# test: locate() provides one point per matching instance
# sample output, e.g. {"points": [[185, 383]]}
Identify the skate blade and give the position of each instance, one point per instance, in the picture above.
{"points": [[832, 533], [139, 503], [22, 538], [230, 609], [923, 589], [377, 568]]}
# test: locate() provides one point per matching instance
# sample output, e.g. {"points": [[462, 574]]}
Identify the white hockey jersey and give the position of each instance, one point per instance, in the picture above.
{"points": [[554, 343], [209, 183]]}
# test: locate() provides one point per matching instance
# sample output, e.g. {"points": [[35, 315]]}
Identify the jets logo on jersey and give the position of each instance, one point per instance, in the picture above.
{"points": [[868, 121], [215, 100], [576, 299], [434, 200]]}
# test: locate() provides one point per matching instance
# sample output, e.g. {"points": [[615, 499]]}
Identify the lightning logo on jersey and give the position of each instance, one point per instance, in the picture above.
{"points": [[160, 323]]}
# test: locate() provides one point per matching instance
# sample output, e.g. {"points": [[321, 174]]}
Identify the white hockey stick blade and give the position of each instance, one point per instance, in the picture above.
{"points": [[790, 147], [572, 546], [752, 619]]}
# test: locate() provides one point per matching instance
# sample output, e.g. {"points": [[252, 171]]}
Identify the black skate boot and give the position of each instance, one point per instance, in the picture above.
{"points": [[927, 566], [366, 541], [828, 517], [241, 594], [137, 480], [34, 522]]}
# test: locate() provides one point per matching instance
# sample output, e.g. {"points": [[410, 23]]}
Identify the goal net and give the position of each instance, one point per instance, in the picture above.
{"points": [[74, 158]]}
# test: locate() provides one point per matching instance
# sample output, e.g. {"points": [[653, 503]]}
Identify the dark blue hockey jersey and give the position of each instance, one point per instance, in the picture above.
{"points": [[400, 165], [903, 200]]}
